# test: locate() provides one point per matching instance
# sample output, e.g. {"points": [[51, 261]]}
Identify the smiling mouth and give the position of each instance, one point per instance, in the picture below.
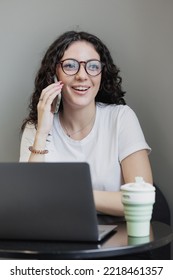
{"points": [[81, 88]]}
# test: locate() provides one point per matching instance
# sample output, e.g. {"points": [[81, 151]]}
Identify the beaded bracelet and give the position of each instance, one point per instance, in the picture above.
{"points": [[38, 152]]}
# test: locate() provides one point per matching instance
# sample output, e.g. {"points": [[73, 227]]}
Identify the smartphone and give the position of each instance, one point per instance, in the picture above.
{"points": [[58, 98]]}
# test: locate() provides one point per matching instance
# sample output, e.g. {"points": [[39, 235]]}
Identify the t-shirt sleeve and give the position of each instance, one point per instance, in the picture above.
{"points": [[131, 137], [26, 141]]}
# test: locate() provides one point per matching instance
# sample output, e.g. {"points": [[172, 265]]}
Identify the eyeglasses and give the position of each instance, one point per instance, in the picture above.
{"points": [[71, 66]]}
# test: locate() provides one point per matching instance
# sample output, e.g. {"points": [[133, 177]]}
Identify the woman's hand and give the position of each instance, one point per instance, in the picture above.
{"points": [[46, 108]]}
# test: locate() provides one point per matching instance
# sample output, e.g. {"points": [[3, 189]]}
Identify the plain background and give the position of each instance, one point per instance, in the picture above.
{"points": [[139, 34]]}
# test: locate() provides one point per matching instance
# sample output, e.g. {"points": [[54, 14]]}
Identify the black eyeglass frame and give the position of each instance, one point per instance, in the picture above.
{"points": [[79, 65]]}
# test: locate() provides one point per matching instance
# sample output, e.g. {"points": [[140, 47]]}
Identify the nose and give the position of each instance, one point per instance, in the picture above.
{"points": [[82, 74]]}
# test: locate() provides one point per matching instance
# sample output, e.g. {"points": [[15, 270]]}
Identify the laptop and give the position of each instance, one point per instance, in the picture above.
{"points": [[48, 201]]}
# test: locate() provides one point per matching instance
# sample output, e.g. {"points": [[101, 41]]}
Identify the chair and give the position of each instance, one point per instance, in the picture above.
{"points": [[161, 210], [161, 213]]}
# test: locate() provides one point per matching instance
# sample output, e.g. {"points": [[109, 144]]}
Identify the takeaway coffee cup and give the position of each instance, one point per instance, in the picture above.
{"points": [[138, 199]]}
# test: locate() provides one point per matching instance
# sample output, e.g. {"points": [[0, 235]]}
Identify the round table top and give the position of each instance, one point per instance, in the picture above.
{"points": [[115, 245]]}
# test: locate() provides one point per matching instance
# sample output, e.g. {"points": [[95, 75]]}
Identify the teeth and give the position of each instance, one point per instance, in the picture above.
{"points": [[80, 88]]}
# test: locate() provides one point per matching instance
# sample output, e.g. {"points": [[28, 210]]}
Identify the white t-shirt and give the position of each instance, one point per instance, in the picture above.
{"points": [[115, 135]]}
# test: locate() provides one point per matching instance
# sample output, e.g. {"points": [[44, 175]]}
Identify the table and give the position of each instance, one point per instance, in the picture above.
{"points": [[117, 246]]}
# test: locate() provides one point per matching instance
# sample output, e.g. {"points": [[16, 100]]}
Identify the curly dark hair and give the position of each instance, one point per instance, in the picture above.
{"points": [[110, 91]]}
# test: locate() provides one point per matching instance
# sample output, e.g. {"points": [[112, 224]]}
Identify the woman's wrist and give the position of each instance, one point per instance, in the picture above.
{"points": [[40, 141], [37, 152], [38, 149]]}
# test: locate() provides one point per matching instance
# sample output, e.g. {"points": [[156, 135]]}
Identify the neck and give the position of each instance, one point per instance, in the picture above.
{"points": [[78, 123]]}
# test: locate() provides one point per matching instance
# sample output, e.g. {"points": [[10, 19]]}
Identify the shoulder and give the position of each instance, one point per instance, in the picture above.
{"points": [[114, 110], [29, 128], [30, 125], [119, 116]]}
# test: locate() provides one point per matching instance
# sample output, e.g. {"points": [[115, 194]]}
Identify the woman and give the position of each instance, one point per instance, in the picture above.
{"points": [[93, 123]]}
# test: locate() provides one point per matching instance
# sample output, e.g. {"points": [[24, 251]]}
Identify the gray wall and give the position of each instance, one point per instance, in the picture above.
{"points": [[139, 34]]}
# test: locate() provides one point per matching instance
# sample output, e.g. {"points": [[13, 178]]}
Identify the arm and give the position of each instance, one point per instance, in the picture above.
{"points": [[45, 119], [136, 164], [45, 110], [109, 203]]}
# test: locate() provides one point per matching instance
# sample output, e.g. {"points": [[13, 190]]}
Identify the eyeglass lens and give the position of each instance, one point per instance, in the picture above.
{"points": [[72, 66]]}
